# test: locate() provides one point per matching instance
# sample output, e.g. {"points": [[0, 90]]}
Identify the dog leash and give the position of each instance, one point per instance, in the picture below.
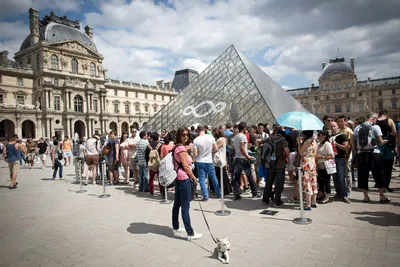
{"points": [[204, 216]]}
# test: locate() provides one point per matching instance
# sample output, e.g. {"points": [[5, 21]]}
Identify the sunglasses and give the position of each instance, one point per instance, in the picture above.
{"points": [[329, 120], [185, 135]]}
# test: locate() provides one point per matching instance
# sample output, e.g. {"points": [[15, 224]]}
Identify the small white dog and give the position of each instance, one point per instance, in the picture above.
{"points": [[222, 249]]}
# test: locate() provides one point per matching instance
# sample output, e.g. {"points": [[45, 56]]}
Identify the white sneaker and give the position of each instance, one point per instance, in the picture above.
{"points": [[194, 236], [176, 232]]}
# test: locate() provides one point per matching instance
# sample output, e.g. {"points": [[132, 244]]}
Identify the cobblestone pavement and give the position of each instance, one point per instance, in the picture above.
{"points": [[46, 223]]}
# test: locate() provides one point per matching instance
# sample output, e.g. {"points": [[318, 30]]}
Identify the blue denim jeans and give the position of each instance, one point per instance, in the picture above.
{"points": [[143, 178], [243, 165], [202, 169], [57, 166], [339, 178], [183, 191]]}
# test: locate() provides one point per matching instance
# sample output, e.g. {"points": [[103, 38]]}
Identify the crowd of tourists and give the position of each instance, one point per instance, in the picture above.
{"points": [[247, 157]]}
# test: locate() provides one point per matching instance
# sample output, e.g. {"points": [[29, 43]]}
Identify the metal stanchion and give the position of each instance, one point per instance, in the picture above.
{"points": [[78, 171], [103, 167], [302, 219], [223, 211], [165, 200]]}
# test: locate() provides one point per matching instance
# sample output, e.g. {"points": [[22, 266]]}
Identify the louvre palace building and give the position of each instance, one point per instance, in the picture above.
{"points": [[340, 93], [57, 86]]}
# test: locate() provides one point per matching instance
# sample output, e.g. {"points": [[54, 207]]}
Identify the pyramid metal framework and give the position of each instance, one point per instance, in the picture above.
{"points": [[230, 89]]}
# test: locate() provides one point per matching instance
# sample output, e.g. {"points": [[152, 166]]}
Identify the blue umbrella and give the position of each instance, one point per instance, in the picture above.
{"points": [[300, 120]]}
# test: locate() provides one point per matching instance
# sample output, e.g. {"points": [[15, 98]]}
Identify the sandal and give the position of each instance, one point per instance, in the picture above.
{"points": [[324, 201], [386, 200]]}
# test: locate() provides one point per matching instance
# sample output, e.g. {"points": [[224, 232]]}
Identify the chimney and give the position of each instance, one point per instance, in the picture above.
{"points": [[34, 25], [3, 56], [89, 31], [323, 65], [352, 63], [160, 84]]}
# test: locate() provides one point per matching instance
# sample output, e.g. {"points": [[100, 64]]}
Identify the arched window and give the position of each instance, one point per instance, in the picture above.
{"points": [[78, 104], [394, 103], [92, 69], [127, 109], [338, 107], [146, 108], [155, 109], [137, 108], [380, 104], [54, 62], [74, 65]]}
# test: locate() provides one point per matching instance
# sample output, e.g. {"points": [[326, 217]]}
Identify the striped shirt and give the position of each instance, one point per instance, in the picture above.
{"points": [[141, 146]]}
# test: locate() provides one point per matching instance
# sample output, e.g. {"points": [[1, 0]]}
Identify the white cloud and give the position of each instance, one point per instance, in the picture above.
{"points": [[142, 41], [194, 64], [286, 87], [14, 7]]}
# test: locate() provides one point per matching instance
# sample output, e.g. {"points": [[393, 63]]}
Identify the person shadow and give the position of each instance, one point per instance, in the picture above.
{"points": [[142, 228], [380, 218]]}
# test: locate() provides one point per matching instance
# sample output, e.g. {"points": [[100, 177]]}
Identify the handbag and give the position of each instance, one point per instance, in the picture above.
{"points": [[217, 157], [59, 154], [330, 166], [297, 160]]}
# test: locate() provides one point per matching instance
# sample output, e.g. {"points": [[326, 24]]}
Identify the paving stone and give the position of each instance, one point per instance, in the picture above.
{"points": [[50, 225]]}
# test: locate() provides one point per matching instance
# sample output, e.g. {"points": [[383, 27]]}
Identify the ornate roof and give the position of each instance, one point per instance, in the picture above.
{"points": [[336, 65], [59, 29]]}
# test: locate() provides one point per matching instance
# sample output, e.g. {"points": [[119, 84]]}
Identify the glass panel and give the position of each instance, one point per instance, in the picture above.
{"points": [[230, 89]]}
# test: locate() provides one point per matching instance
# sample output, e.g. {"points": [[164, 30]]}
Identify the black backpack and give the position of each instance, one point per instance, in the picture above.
{"points": [[366, 140], [268, 153]]}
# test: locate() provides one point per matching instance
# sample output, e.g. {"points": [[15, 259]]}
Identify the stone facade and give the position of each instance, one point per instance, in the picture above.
{"points": [[59, 87], [340, 93]]}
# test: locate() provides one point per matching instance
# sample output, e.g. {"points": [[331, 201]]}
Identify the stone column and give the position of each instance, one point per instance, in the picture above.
{"points": [[69, 100], [18, 127], [87, 103], [51, 128], [49, 100], [65, 101], [89, 128], [68, 128], [90, 101], [72, 128], [106, 125], [39, 131], [47, 127]]}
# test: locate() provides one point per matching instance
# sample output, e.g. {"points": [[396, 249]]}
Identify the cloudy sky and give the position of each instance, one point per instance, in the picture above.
{"points": [[144, 41]]}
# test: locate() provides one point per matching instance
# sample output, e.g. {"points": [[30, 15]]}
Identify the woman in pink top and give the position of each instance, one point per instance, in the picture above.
{"points": [[124, 155], [183, 185]]}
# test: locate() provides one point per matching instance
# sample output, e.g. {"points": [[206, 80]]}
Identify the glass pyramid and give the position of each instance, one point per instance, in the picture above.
{"points": [[230, 89]]}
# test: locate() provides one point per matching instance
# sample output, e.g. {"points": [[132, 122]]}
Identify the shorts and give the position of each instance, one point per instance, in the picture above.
{"points": [[133, 164], [112, 164], [290, 166], [13, 166], [92, 159], [43, 156], [67, 154], [30, 156]]}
